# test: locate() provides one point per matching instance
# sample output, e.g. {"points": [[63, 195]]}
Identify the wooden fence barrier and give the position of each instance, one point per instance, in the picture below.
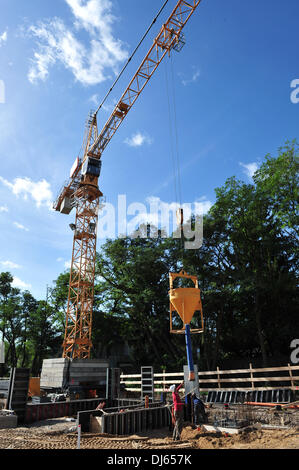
{"points": [[238, 379]]}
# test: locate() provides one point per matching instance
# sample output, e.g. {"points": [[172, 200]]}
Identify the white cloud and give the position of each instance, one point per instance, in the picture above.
{"points": [[108, 107], [67, 264], [10, 265], [199, 207], [95, 16], [40, 191], [2, 92], [3, 209], [193, 79], [163, 214], [18, 283], [138, 139], [56, 42], [94, 99], [3, 38], [203, 207], [250, 168], [21, 227]]}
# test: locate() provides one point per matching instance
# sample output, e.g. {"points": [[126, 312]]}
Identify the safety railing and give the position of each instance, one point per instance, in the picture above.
{"points": [[237, 379]]}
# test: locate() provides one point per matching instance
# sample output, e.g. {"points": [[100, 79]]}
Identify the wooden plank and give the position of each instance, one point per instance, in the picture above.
{"points": [[251, 376], [243, 389], [248, 379], [244, 371], [130, 376], [137, 382], [161, 382], [218, 378], [225, 389], [157, 382], [291, 376], [170, 374]]}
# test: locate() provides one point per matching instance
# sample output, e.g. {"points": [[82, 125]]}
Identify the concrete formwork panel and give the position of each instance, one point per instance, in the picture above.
{"points": [[8, 421]]}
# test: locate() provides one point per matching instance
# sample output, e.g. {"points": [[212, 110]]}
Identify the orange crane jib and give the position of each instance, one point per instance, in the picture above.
{"points": [[82, 192]]}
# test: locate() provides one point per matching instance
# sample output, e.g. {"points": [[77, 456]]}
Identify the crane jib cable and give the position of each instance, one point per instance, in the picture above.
{"points": [[131, 57]]}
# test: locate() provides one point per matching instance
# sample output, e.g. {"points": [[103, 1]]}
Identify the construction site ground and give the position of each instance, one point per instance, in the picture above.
{"points": [[61, 434]]}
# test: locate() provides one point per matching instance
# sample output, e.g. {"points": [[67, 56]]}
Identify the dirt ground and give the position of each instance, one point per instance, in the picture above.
{"points": [[60, 434]]}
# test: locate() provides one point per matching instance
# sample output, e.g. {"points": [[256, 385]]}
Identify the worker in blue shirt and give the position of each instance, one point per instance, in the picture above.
{"points": [[199, 410]]}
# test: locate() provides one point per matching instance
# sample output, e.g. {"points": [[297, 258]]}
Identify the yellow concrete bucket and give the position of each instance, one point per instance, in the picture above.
{"points": [[186, 301]]}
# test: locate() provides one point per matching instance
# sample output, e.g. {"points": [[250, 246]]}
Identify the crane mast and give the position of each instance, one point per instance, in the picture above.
{"points": [[82, 191]]}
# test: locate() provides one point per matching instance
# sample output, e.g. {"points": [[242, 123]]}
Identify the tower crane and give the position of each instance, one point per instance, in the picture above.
{"points": [[82, 192]]}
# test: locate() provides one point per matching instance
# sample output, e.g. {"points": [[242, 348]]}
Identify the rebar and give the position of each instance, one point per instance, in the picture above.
{"points": [[238, 416]]}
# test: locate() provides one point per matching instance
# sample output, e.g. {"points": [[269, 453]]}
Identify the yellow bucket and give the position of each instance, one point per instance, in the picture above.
{"points": [[186, 301]]}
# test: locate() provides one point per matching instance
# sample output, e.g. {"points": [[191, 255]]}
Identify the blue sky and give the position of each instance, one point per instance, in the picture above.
{"points": [[58, 59]]}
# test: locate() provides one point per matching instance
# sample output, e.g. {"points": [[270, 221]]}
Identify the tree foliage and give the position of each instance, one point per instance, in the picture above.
{"points": [[27, 326], [247, 270]]}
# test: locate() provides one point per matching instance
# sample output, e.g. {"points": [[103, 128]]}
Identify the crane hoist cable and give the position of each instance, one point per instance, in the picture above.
{"points": [[174, 137], [131, 57], [173, 125], [176, 133], [182, 238], [171, 137]]}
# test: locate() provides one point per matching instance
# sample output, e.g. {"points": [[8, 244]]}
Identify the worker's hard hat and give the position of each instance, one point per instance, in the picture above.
{"points": [[172, 388]]}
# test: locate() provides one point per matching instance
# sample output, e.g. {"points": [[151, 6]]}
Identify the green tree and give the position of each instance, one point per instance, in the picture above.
{"points": [[59, 299], [10, 316], [29, 306], [278, 181], [134, 286], [43, 335]]}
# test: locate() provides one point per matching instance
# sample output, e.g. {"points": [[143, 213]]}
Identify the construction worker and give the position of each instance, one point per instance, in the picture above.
{"points": [[178, 406], [199, 410]]}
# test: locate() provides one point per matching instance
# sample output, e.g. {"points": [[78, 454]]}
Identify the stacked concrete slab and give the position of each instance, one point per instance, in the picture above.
{"points": [[54, 373], [57, 372]]}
